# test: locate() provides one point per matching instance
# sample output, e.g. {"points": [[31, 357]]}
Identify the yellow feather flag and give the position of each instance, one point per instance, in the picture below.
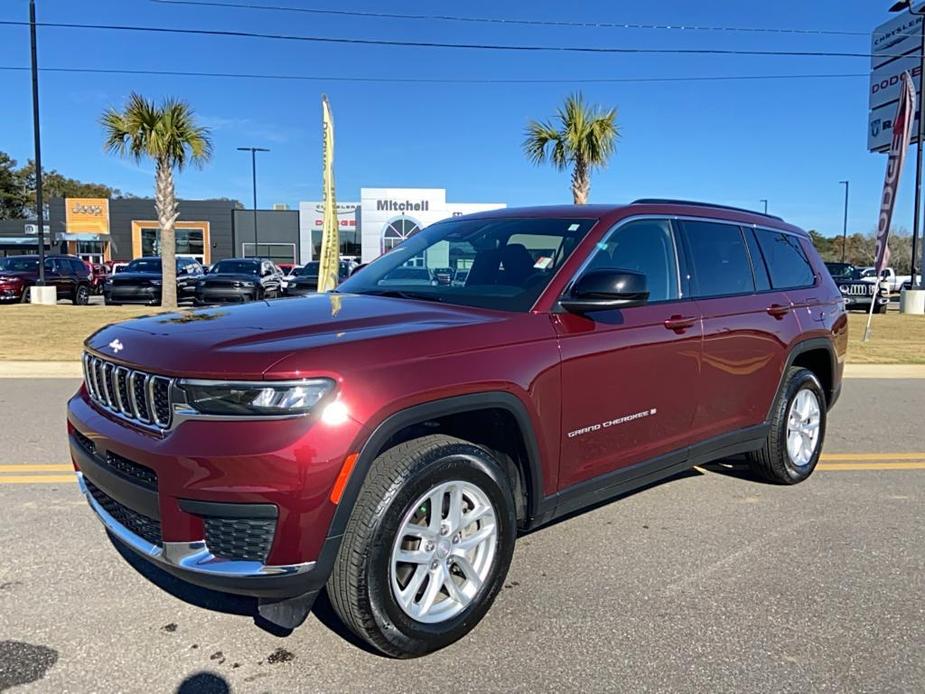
{"points": [[330, 243]]}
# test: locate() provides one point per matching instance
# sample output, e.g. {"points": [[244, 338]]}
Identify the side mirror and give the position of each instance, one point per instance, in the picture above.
{"points": [[603, 290]]}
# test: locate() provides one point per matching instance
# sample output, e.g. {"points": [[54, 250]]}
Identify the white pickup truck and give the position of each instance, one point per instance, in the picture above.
{"points": [[893, 281]]}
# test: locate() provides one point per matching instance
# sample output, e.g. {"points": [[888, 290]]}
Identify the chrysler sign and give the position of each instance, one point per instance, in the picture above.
{"points": [[894, 48]]}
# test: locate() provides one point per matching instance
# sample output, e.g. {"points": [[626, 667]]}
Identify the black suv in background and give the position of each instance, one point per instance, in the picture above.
{"points": [[238, 280], [67, 273], [141, 280], [305, 279]]}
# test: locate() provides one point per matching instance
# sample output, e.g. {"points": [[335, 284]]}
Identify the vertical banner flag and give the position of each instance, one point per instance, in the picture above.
{"points": [[902, 132], [330, 243]]}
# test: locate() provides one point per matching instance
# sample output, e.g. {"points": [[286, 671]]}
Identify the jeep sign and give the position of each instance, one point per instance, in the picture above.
{"points": [[894, 48]]}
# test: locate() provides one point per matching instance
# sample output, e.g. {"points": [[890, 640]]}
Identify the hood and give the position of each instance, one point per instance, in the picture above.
{"points": [[20, 275], [246, 341], [127, 277]]}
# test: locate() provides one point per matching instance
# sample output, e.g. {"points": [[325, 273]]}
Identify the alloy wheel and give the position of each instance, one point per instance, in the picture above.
{"points": [[803, 420], [443, 552]]}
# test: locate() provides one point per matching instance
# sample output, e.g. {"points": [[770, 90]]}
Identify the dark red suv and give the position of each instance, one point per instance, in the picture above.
{"points": [[67, 273], [389, 440]]}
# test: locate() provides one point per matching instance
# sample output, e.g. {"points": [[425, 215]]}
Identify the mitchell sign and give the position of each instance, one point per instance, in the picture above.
{"points": [[406, 206]]}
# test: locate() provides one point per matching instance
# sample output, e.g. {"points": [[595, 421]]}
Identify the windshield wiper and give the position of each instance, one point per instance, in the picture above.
{"points": [[401, 294]]}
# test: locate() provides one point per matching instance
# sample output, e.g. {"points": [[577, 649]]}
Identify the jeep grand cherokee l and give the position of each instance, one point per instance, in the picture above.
{"points": [[388, 441], [67, 273]]}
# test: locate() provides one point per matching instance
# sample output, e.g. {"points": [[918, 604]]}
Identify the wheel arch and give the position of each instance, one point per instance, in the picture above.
{"points": [[818, 355], [454, 414]]}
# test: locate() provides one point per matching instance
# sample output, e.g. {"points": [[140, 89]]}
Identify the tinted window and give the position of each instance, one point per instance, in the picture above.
{"points": [[786, 260], [236, 267], [761, 269], [144, 265], [78, 268], [720, 262], [646, 247], [14, 264]]}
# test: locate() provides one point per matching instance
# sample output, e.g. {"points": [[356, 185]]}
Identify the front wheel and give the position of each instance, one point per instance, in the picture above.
{"points": [[427, 547], [792, 449]]}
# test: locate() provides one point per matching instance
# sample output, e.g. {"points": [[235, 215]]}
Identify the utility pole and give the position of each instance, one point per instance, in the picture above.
{"points": [[253, 151], [39, 203], [765, 205], [844, 232]]}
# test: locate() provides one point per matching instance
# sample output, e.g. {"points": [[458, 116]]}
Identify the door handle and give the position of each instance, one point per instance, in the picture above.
{"points": [[680, 323], [778, 310]]}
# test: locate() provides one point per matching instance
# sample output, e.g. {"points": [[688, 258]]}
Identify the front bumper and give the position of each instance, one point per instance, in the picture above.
{"points": [[229, 295], [287, 466], [132, 294]]}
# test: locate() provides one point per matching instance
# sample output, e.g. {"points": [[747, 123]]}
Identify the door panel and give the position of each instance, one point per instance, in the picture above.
{"points": [[629, 387], [630, 376]]}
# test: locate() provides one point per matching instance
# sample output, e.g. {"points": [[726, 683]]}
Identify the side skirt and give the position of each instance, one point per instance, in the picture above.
{"points": [[628, 479]]}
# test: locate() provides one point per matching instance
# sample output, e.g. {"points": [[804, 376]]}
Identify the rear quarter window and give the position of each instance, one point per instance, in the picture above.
{"points": [[786, 260], [721, 264]]}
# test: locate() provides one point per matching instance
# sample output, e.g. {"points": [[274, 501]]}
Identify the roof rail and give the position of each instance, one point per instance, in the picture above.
{"points": [[694, 203]]}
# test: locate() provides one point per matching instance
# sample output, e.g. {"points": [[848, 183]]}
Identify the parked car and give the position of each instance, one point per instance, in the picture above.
{"points": [[238, 280], [67, 273], [286, 268], [117, 267], [391, 440], [142, 279], [100, 273], [304, 280], [858, 292]]}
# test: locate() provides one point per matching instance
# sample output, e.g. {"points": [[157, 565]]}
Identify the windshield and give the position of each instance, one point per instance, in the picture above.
{"points": [[503, 264], [14, 264], [144, 265], [236, 267], [309, 270], [845, 271]]}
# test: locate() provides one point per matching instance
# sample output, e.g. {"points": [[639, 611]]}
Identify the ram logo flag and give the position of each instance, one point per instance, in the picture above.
{"points": [[329, 262], [902, 132]]}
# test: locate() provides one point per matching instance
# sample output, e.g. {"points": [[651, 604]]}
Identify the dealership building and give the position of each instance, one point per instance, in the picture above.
{"points": [[100, 229]]}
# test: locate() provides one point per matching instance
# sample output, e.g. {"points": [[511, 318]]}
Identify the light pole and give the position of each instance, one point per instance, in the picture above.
{"points": [[39, 203], [253, 151], [844, 231], [899, 7], [765, 205]]}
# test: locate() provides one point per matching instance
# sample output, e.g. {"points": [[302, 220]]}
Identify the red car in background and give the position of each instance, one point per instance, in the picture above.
{"points": [[68, 273], [389, 440]]}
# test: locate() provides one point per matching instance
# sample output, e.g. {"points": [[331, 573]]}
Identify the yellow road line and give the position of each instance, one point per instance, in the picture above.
{"points": [[826, 457], [36, 479], [843, 467], [36, 468]]}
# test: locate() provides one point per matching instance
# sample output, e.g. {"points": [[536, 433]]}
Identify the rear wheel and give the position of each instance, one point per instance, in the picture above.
{"points": [[81, 295], [427, 546], [26, 296], [792, 449]]}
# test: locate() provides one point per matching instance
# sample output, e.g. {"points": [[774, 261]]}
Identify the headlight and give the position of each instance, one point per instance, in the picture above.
{"points": [[157, 283], [256, 398]]}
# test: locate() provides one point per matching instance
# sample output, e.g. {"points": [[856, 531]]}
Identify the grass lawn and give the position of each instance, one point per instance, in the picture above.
{"points": [[56, 333]]}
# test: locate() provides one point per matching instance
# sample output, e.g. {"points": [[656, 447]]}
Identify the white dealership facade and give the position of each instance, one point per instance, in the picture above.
{"points": [[381, 219]]}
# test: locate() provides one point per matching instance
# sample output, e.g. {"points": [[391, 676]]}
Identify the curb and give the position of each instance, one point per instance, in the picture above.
{"points": [[73, 369]]}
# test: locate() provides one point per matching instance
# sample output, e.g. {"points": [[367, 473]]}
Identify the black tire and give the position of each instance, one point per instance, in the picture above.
{"points": [[772, 462], [109, 302], [880, 308], [360, 588], [81, 295], [26, 297]]}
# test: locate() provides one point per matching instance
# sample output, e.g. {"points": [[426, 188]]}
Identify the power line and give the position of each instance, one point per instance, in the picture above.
{"points": [[509, 20], [426, 80], [437, 44]]}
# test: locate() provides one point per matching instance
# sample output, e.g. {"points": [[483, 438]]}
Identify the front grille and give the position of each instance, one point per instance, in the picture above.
{"points": [[138, 396], [144, 476], [244, 539], [857, 289], [141, 525]]}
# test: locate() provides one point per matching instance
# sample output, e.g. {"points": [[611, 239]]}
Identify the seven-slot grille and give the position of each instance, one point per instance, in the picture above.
{"points": [[864, 289], [134, 395]]}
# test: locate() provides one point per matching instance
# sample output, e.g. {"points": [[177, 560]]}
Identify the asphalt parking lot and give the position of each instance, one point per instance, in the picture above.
{"points": [[710, 581]]}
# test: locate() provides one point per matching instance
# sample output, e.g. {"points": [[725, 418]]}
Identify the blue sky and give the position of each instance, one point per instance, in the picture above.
{"points": [[790, 141]]}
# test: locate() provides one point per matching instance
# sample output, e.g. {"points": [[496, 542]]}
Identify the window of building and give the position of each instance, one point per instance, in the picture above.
{"points": [[190, 242], [787, 262], [720, 261], [277, 252], [397, 231], [645, 246]]}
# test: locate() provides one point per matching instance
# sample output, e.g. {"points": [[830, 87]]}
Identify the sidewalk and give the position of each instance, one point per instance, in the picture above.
{"points": [[73, 369]]}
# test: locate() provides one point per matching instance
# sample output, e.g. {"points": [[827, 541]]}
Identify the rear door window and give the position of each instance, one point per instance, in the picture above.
{"points": [[720, 262], [787, 262]]}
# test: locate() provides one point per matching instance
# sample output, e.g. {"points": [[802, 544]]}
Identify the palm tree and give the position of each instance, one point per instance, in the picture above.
{"points": [[584, 137], [168, 134]]}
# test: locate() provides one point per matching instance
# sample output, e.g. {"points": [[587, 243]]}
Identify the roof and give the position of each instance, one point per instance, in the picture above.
{"points": [[659, 206]]}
